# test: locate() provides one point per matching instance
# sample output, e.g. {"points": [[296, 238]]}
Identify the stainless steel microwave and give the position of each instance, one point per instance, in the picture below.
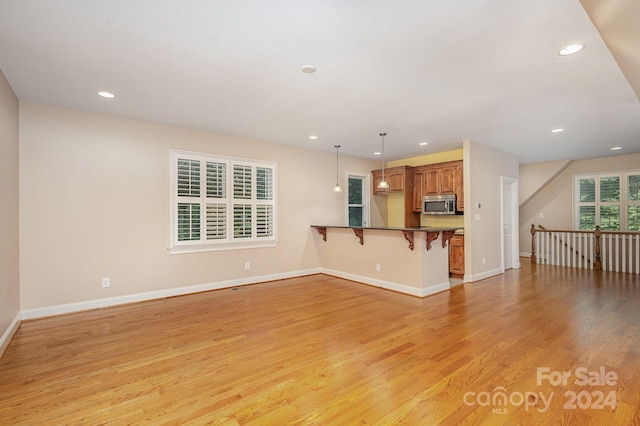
{"points": [[439, 204]]}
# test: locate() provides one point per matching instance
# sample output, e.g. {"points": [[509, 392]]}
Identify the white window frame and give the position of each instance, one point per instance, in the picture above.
{"points": [[366, 205], [230, 241], [623, 203]]}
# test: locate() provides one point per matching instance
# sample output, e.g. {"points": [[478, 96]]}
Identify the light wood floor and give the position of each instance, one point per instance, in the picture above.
{"points": [[322, 350]]}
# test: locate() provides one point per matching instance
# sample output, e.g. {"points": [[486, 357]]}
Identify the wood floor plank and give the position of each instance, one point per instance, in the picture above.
{"points": [[323, 350]]}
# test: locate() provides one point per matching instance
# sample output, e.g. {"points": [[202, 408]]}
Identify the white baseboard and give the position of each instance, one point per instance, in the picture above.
{"points": [[388, 285], [8, 334], [159, 294], [178, 291], [483, 275]]}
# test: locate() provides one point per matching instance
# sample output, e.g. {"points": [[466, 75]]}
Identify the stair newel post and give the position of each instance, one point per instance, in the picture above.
{"points": [[598, 262], [533, 244]]}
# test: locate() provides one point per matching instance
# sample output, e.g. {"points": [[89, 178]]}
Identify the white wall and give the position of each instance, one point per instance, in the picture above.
{"points": [[9, 214], [534, 177], [483, 167], [94, 200]]}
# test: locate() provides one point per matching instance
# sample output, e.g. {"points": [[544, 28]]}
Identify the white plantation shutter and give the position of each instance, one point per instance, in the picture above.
{"points": [[264, 221], [610, 189], [264, 208], [264, 183], [633, 187], [188, 178], [188, 186], [609, 203], [216, 221], [586, 203], [587, 190], [242, 182], [221, 202], [188, 222], [242, 220], [633, 201], [216, 180]]}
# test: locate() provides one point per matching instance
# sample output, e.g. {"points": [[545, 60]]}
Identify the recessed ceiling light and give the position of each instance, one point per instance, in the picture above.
{"points": [[377, 153], [308, 69], [557, 130], [616, 148], [108, 95], [571, 49], [423, 143], [313, 137]]}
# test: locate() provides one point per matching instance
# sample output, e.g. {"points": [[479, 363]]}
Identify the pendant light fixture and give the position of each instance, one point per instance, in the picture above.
{"points": [[383, 183], [337, 187]]}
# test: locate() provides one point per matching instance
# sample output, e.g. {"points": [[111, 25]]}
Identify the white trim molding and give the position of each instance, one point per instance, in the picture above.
{"points": [[388, 285], [483, 275], [67, 308], [9, 333], [160, 294]]}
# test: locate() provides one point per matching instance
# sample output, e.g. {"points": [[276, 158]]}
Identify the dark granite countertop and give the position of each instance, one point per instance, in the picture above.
{"points": [[386, 228]]}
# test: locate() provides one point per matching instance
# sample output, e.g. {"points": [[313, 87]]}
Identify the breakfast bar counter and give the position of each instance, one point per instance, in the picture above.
{"points": [[417, 264], [431, 232]]}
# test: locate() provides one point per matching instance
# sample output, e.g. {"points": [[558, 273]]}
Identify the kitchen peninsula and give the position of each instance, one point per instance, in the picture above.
{"points": [[411, 260]]}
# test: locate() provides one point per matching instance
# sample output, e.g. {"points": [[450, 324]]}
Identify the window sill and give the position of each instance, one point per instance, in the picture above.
{"points": [[222, 247]]}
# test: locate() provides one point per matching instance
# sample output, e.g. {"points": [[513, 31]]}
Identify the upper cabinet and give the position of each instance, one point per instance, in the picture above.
{"points": [[438, 179], [399, 179]]}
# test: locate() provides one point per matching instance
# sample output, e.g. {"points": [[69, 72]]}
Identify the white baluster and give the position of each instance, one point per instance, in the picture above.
{"points": [[623, 258], [637, 254]]}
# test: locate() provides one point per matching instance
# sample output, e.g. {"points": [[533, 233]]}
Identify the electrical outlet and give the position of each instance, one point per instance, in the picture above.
{"points": [[106, 282], [247, 266], [378, 269], [484, 260]]}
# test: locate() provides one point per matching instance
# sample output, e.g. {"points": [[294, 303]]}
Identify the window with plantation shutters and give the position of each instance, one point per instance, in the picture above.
{"points": [[611, 200], [221, 203]]}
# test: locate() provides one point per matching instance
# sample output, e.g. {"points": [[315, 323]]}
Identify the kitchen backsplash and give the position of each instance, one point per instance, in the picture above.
{"points": [[442, 221]]}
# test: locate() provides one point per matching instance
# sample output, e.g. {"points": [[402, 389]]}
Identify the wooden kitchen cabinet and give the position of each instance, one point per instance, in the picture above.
{"points": [[456, 256], [446, 177], [438, 180], [418, 190], [399, 179], [431, 181]]}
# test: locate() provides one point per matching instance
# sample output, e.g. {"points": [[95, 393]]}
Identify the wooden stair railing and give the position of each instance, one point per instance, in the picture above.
{"points": [[601, 250], [597, 264], [567, 245]]}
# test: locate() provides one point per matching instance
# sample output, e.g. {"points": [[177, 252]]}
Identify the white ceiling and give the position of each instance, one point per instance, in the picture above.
{"points": [[420, 70]]}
